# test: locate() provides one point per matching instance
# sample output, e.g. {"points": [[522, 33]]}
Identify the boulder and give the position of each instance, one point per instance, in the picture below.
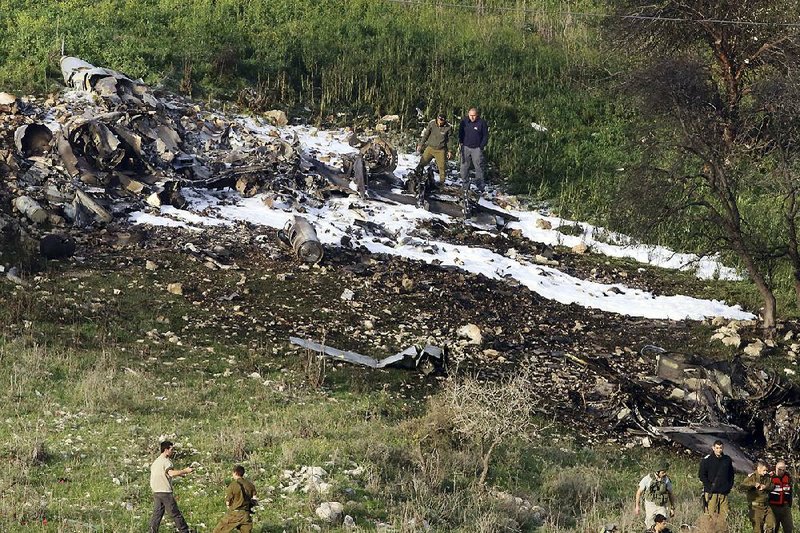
{"points": [[330, 512]]}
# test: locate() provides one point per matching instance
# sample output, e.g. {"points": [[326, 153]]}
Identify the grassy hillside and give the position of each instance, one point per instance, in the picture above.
{"points": [[100, 361], [522, 62]]}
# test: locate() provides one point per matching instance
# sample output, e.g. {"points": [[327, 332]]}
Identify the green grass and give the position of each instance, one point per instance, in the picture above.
{"points": [[88, 394]]}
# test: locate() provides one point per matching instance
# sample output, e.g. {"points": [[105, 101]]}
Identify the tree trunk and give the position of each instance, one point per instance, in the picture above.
{"points": [[770, 306], [794, 246]]}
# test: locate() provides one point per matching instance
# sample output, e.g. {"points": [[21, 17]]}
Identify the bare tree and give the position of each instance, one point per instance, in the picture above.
{"points": [[489, 414], [711, 137]]}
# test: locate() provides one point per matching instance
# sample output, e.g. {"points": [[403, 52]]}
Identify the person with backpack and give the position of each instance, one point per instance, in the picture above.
{"points": [[656, 488], [240, 500]]}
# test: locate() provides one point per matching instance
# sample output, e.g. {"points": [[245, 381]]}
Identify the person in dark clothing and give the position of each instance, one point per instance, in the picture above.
{"points": [[716, 473], [659, 525], [473, 135]]}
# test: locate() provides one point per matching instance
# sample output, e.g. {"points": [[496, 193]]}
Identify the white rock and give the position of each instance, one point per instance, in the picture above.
{"points": [[277, 117], [347, 295], [330, 512], [733, 340], [677, 394], [719, 321], [754, 349], [175, 288], [580, 248], [472, 333]]}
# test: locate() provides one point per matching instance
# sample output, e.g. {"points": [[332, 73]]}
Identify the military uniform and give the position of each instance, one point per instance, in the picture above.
{"points": [[716, 473], [239, 496], [780, 500], [435, 139], [656, 496], [760, 511]]}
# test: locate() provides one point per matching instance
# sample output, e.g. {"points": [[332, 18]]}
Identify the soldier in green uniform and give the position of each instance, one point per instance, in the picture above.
{"points": [[757, 485], [434, 144], [659, 525], [240, 499]]}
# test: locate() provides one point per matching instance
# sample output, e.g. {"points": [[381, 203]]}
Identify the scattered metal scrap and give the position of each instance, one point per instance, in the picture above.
{"points": [[694, 400], [425, 358], [109, 84]]}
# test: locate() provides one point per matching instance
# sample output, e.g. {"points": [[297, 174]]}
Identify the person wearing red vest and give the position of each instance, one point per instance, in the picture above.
{"points": [[780, 498]]}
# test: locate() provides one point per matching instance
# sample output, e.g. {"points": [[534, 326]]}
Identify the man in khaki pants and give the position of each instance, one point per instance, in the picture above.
{"points": [[434, 145], [716, 473]]}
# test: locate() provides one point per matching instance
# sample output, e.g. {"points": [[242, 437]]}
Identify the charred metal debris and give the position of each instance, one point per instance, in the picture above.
{"points": [[693, 400], [114, 145]]}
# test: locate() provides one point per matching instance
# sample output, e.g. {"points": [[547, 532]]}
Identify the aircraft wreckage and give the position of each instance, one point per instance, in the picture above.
{"points": [[82, 161], [113, 145]]}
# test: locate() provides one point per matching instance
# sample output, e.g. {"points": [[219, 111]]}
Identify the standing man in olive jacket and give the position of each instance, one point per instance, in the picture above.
{"points": [[435, 143], [716, 473], [473, 136], [758, 485]]}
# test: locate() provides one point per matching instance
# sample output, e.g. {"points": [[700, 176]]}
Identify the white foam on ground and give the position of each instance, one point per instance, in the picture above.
{"points": [[338, 217]]}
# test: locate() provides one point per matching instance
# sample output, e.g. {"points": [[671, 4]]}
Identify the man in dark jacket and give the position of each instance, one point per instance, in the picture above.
{"points": [[473, 135], [435, 144], [716, 473]]}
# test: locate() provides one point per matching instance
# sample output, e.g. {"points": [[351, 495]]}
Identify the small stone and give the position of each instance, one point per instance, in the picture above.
{"points": [[754, 349], [277, 117], [330, 512], [732, 340], [677, 394], [175, 288], [150, 265], [580, 248], [543, 224], [472, 333], [718, 321]]}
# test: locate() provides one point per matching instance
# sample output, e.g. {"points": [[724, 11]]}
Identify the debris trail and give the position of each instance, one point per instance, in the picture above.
{"points": [[338, 217]]}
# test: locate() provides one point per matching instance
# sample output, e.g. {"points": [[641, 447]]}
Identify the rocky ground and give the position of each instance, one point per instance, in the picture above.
{"points": [[69, 166]]}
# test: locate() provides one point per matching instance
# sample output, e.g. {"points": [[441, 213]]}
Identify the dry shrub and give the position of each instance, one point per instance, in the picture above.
{"points": [[488, 414], [574, 490]]}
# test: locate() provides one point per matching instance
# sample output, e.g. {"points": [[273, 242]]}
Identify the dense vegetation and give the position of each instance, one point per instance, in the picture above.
{"points": [[526, 64]]}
